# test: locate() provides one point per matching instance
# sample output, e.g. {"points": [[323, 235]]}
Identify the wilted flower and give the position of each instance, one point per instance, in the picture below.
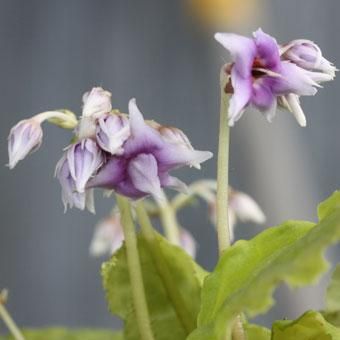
{"points": [[144, 166], [187, 242], [108, 236], [69, 194], [262, 74], [112, 131], [24, 138], [96, 102], [83, 158]]}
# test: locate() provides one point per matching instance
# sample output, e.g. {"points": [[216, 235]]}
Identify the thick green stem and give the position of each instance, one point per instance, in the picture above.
{"points": [[135, 270], [184, 316], [9, 322], [169, 220], [222, 172]]}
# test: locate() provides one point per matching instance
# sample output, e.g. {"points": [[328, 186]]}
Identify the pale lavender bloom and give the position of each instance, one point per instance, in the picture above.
{"points": [[96, 102], [24, 138], [259, 77], [112, 131], [84, 158], [144, 166], [241, 208], [108, 236], [69, 194], [187, 242]]}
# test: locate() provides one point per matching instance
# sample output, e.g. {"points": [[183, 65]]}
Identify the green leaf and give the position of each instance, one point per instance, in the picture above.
{"points": [[310, 326], [56, 333], [255, 332], [187, 276], [326, 207], [249, 271], [333, 292]]}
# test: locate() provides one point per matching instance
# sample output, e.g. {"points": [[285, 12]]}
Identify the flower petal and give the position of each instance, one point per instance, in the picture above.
{"points": [[143, 171], [242, 50], [295, 107], [173, 183]]}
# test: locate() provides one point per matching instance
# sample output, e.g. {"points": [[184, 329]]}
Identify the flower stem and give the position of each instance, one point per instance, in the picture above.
{"points": [[222, 172], [169, 220], [9, 322], [184, 316], [135, 270]]}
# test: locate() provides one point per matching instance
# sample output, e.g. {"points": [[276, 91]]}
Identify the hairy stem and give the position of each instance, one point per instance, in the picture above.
{"points": [[187, 321], [9, 322], [169, 220], [222, 221], [135, 270]]}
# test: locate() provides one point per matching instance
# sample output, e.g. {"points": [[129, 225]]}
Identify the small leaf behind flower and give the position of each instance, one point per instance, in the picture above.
{"points": [[187, 276], [310, 326], [249, 271], [58, 333]]}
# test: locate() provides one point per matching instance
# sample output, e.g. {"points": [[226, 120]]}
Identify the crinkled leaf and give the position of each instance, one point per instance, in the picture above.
{"points": [[249, 271], [56, 333], [310, 326], [187, 276], [333, 292], [255, 332]]}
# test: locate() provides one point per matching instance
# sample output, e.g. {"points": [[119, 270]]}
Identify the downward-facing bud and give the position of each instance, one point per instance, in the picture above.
{"points": [[24, 138], [112, 131], [307, 54]]}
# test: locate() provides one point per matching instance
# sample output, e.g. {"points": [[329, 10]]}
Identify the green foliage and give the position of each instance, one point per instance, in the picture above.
{"points": [[57, 333], [185, 275], [333, 292], [310, 326], [255, 332], [249, 271]]}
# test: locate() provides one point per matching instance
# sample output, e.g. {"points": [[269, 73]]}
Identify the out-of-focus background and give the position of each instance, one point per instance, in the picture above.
{"points": [[161, 52]]}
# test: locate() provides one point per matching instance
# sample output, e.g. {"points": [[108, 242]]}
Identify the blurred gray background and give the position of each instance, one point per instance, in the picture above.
{"points": [[51, 52]]}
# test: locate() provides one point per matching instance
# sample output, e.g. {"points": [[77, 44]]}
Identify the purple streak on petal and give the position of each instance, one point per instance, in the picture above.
{"points": [[242, 50], [267, 50], [110, 174], [263, 97], [127, 188], [143, 171], [241, 97], [143, 139]]}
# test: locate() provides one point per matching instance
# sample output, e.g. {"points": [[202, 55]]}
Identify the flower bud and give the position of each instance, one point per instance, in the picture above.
{"points": [[84, 158], [69, 194], [306, 54], [187, 242], [96, 102], [112, 131], [108, 236], [24, 138], [65, 119]]}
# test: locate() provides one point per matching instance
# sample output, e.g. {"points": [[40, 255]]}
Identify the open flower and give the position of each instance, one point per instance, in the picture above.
{"points": [[24, 138], [143, 168], [263, 75]]}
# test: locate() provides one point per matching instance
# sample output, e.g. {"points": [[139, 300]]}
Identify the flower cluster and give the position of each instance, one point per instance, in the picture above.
{"points": [[265, 75], [121, 153]]}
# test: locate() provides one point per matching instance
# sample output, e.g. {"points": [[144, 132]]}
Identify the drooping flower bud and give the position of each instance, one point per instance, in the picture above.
{"points": [[108, 236], [24, 138], [187, 242], [69, 194], [307, 54], [84, 158], [96, 102], [112, 131]]}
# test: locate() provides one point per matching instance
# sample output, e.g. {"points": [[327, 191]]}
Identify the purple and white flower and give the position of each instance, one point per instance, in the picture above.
{"points": [[69, 194], [24, 138], [96, 102], [263, 74], [113, 130], [143, 167]]}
